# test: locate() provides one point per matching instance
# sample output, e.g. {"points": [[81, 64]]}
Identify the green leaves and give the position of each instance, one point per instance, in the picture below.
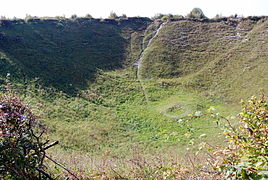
{"points": [[196, 13], [247, 153]]}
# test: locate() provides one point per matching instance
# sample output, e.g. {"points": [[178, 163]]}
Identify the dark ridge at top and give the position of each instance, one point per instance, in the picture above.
{"points": [[122, 21], [7, 22]]}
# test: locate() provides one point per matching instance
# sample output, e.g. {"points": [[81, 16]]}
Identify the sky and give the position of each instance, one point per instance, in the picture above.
{"points": [[148, 8]]}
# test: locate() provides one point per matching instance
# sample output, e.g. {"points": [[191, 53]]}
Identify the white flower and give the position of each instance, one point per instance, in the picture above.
{"points": [[198, 113]]}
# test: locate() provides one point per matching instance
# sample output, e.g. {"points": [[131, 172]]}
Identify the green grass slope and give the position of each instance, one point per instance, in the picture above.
{"points": [[227, 56], [108, 115], [66, 54]]}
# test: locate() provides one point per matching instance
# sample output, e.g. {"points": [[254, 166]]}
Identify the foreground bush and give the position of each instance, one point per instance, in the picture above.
{"points": [[246, 156], [21, 151]]}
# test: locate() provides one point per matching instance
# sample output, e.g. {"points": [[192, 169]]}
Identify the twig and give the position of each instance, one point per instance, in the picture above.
{"points": [[229, 123], [46, 142], [191, 161], [62, 167], [51, 145], [46, 174], [117, 173]]}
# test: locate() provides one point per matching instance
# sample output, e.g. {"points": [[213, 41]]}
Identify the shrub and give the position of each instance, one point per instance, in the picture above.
{"points": [[178, 16], [74, 16], [21, 151], [218, 16], [88, 16], [3, 18], [196, 13], [124, 16], [158, 16], [246, 156], [113, 15], [28, 18]]}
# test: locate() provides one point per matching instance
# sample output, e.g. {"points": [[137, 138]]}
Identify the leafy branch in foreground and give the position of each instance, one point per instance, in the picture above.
{"points": [[246, 156]]}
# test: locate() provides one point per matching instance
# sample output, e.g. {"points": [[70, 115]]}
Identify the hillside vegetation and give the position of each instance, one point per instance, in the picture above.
{"points": [[212, 55], [80, 77], [66, 54]]}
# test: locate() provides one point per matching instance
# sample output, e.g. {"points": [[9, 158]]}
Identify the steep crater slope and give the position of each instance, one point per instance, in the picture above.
{"points": [[227, 56], [224, 55], [65, 53]]}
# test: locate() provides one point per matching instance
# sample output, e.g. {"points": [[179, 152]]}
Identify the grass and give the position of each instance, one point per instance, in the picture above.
{"points": [[75, 49], [211, 57], [90, 99], [133, 128], [121, 118]]}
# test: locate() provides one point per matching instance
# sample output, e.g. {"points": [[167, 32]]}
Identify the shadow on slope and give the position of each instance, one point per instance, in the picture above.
{"points": [[65, 54]]}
